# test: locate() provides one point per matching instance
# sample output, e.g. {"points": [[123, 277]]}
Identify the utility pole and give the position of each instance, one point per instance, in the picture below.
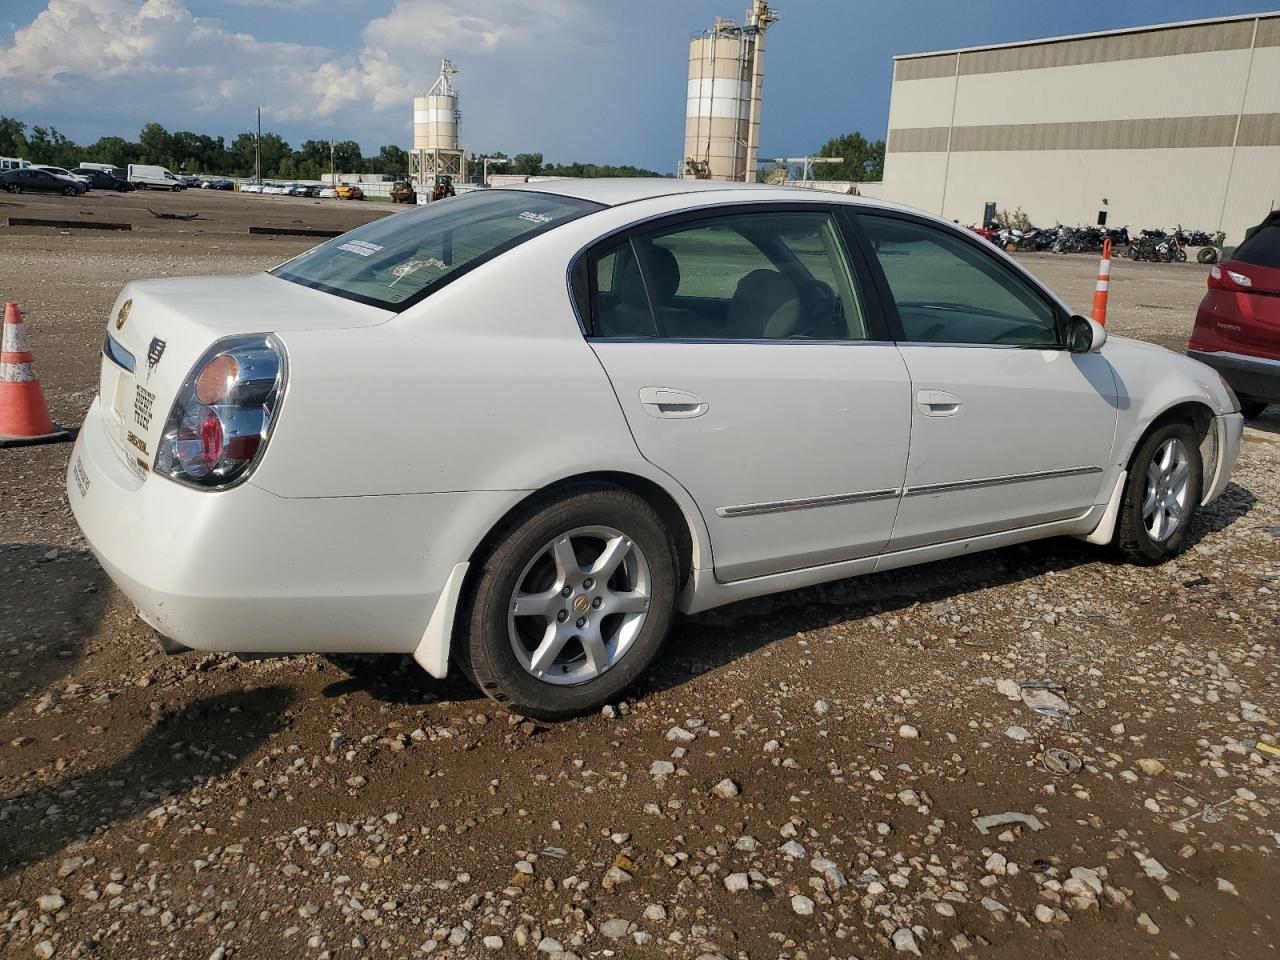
{"points": [[333, 177], [488, 160], [257, 151]]}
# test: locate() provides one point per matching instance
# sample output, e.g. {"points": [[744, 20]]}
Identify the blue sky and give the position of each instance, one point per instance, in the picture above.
{"points": [[591, 80]]}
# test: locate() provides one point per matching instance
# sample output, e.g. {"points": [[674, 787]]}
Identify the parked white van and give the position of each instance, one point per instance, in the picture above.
{"points": [[104, 167], [146, 176], [13, 163]]}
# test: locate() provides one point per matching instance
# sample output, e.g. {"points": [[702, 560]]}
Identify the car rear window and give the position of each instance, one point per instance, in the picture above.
{"points": [[1262, 249], [396, 261]]}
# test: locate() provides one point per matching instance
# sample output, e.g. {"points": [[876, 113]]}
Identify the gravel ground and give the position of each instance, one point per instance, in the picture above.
{"points": [[801, 776]]}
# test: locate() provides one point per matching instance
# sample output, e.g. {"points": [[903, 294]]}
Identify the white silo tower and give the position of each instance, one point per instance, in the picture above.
{"points": [[437, 148], [726, 87]]}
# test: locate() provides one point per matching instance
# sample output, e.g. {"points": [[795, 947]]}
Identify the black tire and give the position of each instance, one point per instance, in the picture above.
{"points": [[482, 645], [176, 188], [1179, 255], [1252, 408], [140, 186], [123, 188], [1133, 540], [1207, 255], [1132, 252], [14, 187], [70, 192]]}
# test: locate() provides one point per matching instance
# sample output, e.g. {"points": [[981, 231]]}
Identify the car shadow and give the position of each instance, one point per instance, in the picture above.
{"points": [[394, 678], [1269, 422], [708, 641], [52, 602], [203, 739]]}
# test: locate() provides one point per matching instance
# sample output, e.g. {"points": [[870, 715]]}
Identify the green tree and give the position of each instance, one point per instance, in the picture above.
{"points": [[529, 164], [116, 151], [315, 152], [390, 159], [157, 145], [863, 159], [47, 145], [346, 156], [13, 138]]}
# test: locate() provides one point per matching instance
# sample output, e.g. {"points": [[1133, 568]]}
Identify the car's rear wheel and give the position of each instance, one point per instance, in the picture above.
{"points": [[1252, 408], [571, 605], [1162, 493]]}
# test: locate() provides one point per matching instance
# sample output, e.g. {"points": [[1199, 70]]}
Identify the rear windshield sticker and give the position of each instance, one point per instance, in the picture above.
{"points": [[536, 217], [402, 270], [362, 247]]}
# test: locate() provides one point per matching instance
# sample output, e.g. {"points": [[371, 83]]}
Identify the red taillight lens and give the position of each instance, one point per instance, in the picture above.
{"points": [[1221, 278], [211, 438], [1215, 277], [222, 416]]}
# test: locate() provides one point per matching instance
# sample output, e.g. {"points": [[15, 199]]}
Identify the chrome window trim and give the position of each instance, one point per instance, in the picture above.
{"points": [[953, 485], [117, 354], [790, 341], [805, 503]]}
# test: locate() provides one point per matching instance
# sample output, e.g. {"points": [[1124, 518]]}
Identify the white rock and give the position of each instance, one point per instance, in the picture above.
{"points": [[1226, 886], [726, 789], [1147, 924], [655, 912], [793, 849], [1044, 913], [1150, 766], [822, 708], [616, 928], [1009, 689], [45, 949], [494, 942], [1089, 878], [908, 732], [737, 882], [997, 864], [550, 945], [51, 902], [662, 768], [681, 735], [802, 905], [1152, 868], [904, 941], [1018, 733]]}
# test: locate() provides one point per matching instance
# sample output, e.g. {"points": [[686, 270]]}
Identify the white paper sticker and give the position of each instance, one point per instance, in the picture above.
{"points": [[361, 247], [535, 217]]}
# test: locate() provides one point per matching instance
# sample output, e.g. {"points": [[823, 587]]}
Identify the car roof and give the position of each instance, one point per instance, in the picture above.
{"points": [[612, 192]]}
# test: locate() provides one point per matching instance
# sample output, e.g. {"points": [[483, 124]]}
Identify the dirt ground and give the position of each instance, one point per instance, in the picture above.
{"points": [[203, 807]]}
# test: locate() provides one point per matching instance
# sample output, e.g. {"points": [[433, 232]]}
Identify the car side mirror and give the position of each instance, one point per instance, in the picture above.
{"points": [[1085, 335]]}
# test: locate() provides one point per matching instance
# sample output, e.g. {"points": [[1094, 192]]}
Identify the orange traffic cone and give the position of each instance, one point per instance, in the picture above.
{"points": [[24, 416], [1101, 289]]}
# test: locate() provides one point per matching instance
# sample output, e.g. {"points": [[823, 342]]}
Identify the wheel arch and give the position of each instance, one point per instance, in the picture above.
{"points": [[1197, 414]]}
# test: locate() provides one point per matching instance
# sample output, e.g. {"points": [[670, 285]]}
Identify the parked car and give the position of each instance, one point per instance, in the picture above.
{"points": [[35, 180], [63, 172], [349, 191], [739, 391], [303, 190], [101, 180], [250, 188], [402, 192], [190, 181], [327, 193], [1237, 329], [150, 176], [218, 183]]}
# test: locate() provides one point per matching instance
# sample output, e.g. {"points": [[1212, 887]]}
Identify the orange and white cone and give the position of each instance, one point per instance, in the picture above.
{"points": [[1104, 283], [24, 416]]}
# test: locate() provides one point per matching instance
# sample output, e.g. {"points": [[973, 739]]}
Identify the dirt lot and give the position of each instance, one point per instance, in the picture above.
{"points": [[203, 807]]}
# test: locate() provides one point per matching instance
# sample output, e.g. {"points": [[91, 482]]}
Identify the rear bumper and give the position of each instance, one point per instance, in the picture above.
{"points": [[243, 570], [1256, 377]]}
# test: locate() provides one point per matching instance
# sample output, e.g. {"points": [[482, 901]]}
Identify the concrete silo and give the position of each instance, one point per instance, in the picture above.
{"points": [[726, 87], [437, 148]]}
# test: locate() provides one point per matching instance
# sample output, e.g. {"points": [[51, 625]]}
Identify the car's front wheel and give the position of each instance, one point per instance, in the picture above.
{"points": [[1162, 493], [70, 192], [14, 187], [572, 604]]}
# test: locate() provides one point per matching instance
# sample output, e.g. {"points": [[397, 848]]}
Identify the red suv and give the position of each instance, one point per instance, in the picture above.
{"points": [[1237, 328]]}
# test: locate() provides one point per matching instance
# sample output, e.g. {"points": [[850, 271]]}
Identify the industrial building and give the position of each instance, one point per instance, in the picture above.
{"points": [[1153, 126], [437, 146], [726, 92]]}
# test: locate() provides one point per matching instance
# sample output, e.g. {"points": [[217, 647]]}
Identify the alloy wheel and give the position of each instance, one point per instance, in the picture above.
{"points": [[579, 605], [1164, 498]]}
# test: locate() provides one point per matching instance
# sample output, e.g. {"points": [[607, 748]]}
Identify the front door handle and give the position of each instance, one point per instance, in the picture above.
{"points": [[668, 403], [938, 403]]}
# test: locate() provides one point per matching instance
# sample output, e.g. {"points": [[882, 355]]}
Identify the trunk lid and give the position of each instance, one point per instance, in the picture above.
{"points": [[158, 329], [1247, 319]]}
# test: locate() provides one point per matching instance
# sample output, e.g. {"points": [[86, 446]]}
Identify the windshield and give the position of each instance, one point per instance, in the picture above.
{"points": [[396, 261], [1262, 249]]}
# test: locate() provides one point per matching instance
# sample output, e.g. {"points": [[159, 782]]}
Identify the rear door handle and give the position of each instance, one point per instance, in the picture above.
{"points": [[938, 403], [668, 403]]}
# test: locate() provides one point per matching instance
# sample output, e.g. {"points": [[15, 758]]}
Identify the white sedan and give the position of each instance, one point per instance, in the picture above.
{"points": [[518, 430]]}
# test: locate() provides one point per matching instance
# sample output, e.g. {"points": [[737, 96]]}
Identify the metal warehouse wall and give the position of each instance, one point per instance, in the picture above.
{"points": [[1171, 124]]}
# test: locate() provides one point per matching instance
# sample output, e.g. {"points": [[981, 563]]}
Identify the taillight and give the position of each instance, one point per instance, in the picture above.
{"points": [[1220, 279], [222, 417]]}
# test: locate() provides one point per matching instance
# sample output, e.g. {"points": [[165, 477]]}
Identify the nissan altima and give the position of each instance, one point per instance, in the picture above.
{"points": [[518, 430]]}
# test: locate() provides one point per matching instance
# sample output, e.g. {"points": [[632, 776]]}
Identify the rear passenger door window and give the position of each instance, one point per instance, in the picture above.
{"points": [[781, 275], [949, 290]]}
